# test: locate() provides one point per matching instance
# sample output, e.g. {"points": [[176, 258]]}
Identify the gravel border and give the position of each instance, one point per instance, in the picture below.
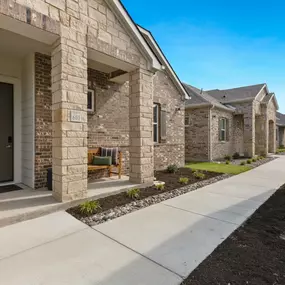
{"points": [[253, 164], [137, 205]]}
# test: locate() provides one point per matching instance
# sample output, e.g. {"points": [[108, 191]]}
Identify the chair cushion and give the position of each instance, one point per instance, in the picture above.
{"points": [[99, 160], [110, 151]]}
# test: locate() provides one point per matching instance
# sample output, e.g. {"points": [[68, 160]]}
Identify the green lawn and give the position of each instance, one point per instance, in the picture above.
{"points": [[221, 168]]}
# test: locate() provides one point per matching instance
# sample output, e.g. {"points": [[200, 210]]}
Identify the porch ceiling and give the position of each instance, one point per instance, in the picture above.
{"points": [[20, 46]]}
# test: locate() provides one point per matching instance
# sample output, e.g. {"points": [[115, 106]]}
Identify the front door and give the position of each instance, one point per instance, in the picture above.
{"points": [[6, 132]]}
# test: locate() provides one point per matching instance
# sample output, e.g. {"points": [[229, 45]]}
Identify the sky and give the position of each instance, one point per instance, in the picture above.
{"points": [[219, 44]]}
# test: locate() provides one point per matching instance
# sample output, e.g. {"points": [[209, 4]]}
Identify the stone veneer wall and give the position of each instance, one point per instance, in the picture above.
{"points": [[172, 150], [197, 146], [221, 148], [43, 119], [271, 114], [281, 136]]}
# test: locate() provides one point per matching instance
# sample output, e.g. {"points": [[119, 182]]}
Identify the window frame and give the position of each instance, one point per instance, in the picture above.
{"points": [[92, 100], [223, 129], [156, 124]]}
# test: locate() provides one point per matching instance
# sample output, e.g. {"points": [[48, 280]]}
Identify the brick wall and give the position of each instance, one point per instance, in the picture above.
{"points": [[197, 146], [221, 148], [109, 125], [43, 118], [172, 150]]}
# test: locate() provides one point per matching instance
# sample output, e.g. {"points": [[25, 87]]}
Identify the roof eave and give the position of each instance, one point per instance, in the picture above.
{"points": [[196, 106], [165, 62], [118, 8]]}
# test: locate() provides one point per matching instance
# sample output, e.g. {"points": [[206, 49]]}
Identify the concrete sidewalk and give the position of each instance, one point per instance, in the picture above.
{"points": [[160, 244]]}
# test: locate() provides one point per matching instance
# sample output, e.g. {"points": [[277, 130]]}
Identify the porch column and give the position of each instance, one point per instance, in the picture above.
{"points": [[69, 115], [141, 128]]}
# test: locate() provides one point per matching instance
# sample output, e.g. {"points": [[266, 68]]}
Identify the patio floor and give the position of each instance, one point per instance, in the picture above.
{"points": [[28, 203]]}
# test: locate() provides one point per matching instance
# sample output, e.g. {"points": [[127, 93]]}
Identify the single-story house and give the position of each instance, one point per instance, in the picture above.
{"points": [[76, 75], [280, 135], [223, 122]]}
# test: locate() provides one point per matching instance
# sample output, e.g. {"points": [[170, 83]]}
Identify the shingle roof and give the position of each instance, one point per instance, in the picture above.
{"points": [[280, 119], [199, 97], [234, 94]]}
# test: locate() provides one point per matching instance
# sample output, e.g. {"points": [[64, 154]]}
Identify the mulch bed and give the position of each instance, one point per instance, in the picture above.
{"points": [[254, 254], [171, 182]]}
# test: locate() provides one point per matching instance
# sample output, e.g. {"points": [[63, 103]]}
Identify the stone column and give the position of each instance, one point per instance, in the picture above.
{"points": [[69, 114], [141, 128]]}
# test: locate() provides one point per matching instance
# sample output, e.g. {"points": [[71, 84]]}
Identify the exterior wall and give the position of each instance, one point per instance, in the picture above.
{"points": [[248, 109], [43, 119], [271, 113], [238, 134], [281, 136], [28, 107], [197, 145], [220, 148], [172, 150], [109, 124]]}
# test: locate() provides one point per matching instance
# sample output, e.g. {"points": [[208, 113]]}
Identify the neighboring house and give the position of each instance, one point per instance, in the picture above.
{"points": [[223, 122], [280, 135], [80, 74]]}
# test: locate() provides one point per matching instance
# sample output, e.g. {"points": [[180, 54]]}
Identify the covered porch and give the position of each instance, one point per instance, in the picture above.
{"points": [[54, 126]]}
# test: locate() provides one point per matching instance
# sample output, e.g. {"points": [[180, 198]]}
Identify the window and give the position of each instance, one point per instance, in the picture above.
{"points": [[90, 101], [223, 129], [156, 122]]}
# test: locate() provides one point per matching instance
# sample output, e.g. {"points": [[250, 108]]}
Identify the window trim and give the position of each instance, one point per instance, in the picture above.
{"points": [[92, 100], [225, 129], [156, 123]]}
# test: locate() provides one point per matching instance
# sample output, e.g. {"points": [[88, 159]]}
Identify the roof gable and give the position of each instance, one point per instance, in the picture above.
{"points": [[147, 35], [131, 29]]}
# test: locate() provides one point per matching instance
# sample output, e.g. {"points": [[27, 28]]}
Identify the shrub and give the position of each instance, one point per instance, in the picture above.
{"points": [[133, 193], [281, 146], [242, 163], [172, 168], [228, 162], [261, 157], [228, 157], [254, 159], [249, 161], [89, 207], [159, 186], [183, 180], [198, 174], [236, 155]]}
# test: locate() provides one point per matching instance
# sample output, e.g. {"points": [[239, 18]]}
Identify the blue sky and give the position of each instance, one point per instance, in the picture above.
{"points": [[219, 44]]}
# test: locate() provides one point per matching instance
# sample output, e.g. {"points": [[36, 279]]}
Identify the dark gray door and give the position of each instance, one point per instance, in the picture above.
{"points": [[6, 132]]}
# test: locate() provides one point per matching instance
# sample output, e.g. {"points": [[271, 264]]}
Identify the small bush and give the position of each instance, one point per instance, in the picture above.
{"points": [[89, 207], [172, 168], [281, 146], [228, 157], [242, 163], [159, 187], [249, 161], [261, 157], [228, 162], [199, 175], [254, 159], [183, 180], [133, 193], [236, 155]]}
